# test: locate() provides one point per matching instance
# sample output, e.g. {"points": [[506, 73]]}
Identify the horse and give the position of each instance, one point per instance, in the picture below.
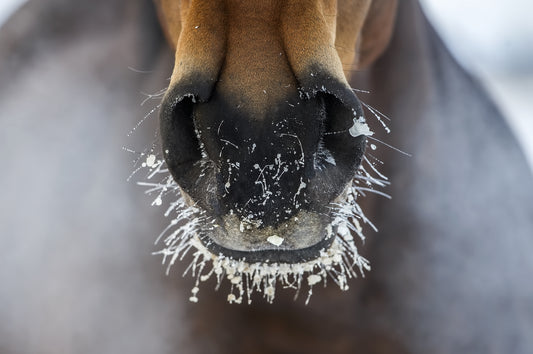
{"points": [[450, 262], [263, 135]]}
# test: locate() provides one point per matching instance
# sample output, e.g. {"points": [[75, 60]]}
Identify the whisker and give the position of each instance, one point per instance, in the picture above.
{"points": [[152, 96], [359, 90], [140, 71], [390, 146], [186, 235], [143, 119], [373, 110], [370, 190]]}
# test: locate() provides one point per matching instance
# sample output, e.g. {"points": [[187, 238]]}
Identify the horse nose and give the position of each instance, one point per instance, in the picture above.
{"points": [[259, 135], [264, 163]]}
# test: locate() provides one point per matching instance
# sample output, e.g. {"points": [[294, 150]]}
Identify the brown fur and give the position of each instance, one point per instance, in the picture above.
{"points": [[251, 38]]}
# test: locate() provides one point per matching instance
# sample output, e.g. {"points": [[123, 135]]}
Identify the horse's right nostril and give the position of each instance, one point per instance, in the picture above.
{"points": [[183, 151], [181, 147]]}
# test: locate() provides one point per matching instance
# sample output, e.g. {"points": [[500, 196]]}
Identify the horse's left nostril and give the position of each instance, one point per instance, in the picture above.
{"points": [[339, 152]]}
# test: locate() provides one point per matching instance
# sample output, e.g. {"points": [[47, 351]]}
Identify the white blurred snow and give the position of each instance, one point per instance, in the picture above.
{"points": [[7, 7], [494, 40]]}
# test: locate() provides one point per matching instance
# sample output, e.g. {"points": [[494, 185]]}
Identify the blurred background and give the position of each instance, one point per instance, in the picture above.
{"points": [[492, 39]]}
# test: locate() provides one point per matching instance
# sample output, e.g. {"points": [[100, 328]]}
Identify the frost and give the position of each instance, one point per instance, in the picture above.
{"points": [[301, 187], [157, 201], [313, 279], [188, 226], [359, 128], [275, 240], [340, 262], [322, 156], [150, 160], [379, 116]]}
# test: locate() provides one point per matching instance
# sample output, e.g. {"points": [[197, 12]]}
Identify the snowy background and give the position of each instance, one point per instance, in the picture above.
{"points": [[492, 39]]}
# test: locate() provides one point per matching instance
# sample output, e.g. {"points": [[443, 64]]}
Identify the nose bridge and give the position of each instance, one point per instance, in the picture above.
{"points": [[200, 49], [308, 31], [256, 73], [258, 51]]}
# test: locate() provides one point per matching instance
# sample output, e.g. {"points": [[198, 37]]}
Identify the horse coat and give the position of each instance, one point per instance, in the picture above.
{"points": [[451, 261]]}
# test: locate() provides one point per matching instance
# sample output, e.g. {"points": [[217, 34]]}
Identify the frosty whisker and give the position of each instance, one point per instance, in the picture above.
{"points": [[189, 226], [390, 146]]}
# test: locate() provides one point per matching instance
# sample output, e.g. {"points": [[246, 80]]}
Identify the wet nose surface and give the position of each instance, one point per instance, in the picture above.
{"points": [[264, 165], [261, 140], [272, 176]]}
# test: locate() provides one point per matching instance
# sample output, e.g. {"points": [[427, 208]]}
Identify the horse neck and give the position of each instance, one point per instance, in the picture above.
{"points": [[466, 185], [433, 103], [404, 81]]}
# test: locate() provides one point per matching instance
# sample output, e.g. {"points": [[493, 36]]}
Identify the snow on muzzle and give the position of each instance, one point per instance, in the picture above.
{"points": [[266, 180]]}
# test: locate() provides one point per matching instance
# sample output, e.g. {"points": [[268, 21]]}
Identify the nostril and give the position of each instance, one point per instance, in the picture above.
{"points": [[339, 153], [180, 144], [341, 108], [346, 149], [182, 147]]}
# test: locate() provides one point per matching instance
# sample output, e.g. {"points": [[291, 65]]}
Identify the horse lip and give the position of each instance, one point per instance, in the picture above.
{"points": [[273, 253], [269, 253], [265, 251]]}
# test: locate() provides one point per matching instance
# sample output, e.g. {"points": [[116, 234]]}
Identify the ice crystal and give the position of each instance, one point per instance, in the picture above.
{"points": [[188, 225], [338, 263]]}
